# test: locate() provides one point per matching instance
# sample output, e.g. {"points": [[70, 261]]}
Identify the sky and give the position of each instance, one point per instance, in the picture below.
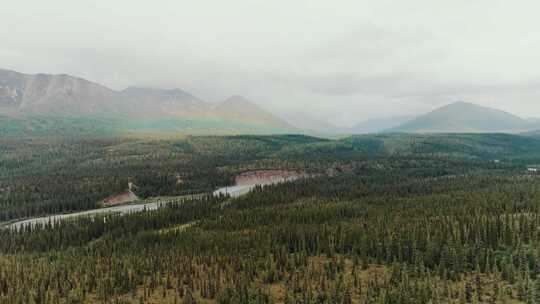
{"points": [[339, 61]]}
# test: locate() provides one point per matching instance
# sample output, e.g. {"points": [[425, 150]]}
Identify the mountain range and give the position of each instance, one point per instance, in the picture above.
{"points": [[26, 100], [43, 104]]}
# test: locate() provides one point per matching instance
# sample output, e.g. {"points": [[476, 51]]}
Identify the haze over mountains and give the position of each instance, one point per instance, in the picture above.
{"points": [[376, 125], [24, 97], [42, 103], [458, 117]]}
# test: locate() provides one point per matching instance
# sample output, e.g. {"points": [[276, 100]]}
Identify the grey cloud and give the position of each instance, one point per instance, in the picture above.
{"points": [[342, 62]]}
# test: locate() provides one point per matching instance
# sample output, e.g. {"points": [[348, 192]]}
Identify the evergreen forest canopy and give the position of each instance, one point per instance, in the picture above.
{"points": [[393, 218]]}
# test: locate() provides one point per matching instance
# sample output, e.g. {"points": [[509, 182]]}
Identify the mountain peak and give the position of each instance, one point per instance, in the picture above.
{"points": [[464, 104], [461, 103], [48, 94], [464, 117]]}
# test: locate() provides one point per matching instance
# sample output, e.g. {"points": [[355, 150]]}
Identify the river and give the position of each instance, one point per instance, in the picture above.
{"points": [[233, 191], [238, 190], [123, 209]]}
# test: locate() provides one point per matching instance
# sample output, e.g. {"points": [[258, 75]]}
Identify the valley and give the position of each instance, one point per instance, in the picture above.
{"points": [[269, 152], [361, 219], [128, 202]]}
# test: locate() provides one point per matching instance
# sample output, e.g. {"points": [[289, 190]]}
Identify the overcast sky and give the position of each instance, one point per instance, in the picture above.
{"points": [[341, 61]]}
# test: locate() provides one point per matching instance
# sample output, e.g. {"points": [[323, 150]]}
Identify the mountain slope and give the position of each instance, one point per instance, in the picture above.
{"points": [[462, 117], [174, 102], [379, 124], [12, 87], [238, 108]]}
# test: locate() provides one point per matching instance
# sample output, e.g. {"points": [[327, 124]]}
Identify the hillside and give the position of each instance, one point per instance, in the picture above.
{"points": [[372, 209], [462, 117], [56, 104], [101, 167], [483, 146], [532, 133]]}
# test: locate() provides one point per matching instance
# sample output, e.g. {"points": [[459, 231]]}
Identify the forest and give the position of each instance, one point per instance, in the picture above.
{"points": [[388, 218]]}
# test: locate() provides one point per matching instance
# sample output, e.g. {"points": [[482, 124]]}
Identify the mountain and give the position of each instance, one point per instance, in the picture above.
{"points": [[238, 108], [379, 124], [312, 125], [62, 102], [463, 117], [174, 102], [534, 120], [59, 95]]}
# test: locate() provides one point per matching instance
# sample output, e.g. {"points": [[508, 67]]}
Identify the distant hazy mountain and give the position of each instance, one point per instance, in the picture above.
{"points": [[312, 125], [319, 127], [534, 120], [462, 117], [71, 100], [166, 102], [379, 124], [237, 108]]}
